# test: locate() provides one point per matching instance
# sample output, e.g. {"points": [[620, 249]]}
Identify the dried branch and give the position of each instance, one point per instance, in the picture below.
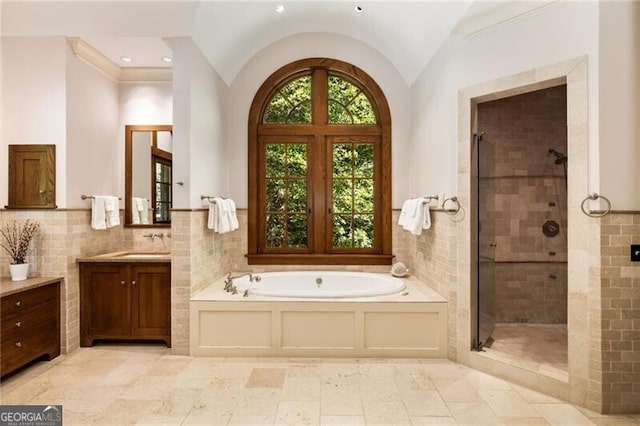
{"points": [[17, 238]]}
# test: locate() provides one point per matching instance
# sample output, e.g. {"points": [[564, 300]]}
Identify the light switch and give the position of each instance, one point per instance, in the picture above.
{"points": [[635, 252]]}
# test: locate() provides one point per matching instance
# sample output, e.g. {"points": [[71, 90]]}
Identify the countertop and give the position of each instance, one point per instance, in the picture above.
{"points": [[129, 256], [8, 287]]}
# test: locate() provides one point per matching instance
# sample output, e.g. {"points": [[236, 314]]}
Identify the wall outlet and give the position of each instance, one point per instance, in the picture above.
{"points": [[635, 252]]}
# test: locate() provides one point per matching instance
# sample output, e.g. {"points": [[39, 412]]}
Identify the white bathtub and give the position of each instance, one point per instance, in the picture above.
{"points": [[320, 284], [300, 318]]}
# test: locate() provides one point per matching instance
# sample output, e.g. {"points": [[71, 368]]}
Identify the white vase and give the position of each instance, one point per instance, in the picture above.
{"points": [[19, 271]]}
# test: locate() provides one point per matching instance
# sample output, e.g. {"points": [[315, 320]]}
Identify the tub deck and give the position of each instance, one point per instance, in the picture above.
{"points": [[411, 325]]}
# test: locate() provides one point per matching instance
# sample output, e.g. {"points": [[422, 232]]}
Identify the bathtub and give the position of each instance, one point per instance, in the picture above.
{"points": [[320, 284], [349, 314]]}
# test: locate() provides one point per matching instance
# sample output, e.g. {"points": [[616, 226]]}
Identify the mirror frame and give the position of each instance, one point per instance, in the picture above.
{"points": [[128, 169]]}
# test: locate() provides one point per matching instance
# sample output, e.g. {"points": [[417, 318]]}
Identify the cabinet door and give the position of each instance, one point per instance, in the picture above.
{"points": [[151, 301], [32, 176], [105, 302]]}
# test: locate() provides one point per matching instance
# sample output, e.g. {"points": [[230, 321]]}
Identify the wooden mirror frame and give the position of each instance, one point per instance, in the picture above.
{"points": [[128, 170]]}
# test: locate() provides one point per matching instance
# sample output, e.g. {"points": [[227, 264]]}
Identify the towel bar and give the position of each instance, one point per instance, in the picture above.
{"points": [[89, 197], [210, 198]]}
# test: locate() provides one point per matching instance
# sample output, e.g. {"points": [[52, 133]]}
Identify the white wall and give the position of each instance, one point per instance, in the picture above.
{"points": [[562, 33], [309, 45], [200, 101], [620, 103], [94, 165], [34, 101]]}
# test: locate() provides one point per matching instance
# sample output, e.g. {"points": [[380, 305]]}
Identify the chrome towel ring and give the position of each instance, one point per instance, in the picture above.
{"points": [[453, 211], [594, 197]]}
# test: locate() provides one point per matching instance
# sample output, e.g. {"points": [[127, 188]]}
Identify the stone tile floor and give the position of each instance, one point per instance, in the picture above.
{"points": [[145, 384], [541, 348]]}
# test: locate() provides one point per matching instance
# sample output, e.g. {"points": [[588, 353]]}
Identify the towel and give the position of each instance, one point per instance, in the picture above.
{"points": [[222, 215], [215, 214], [98, 212], [142, 205], [112, 209], [135, 213], [233, 219], [415, 216]]}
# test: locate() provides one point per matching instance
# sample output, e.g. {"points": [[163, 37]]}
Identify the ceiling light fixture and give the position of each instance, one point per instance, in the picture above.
{"points": [[280, 8], [126, 59], [358, 9], [167, 59]]}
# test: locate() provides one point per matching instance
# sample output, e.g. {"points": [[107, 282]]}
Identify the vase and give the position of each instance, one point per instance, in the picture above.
{"points": [[19, 271]]}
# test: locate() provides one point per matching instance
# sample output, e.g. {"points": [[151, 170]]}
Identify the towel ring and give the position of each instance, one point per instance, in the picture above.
{"points": [[594, 197], [451, 212]]}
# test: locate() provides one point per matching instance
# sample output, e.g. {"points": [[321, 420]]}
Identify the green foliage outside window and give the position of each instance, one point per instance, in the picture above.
{"points": [[291, 104], [348, 104], [286, 195], [353, 195]]}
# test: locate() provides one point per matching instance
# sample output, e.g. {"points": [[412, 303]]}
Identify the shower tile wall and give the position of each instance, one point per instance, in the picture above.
{"points": [[528, 188]]}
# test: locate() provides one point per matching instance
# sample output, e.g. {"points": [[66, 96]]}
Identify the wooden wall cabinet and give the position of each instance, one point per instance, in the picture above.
{"points": [[32, 177], [125, 301], [30, 323]]}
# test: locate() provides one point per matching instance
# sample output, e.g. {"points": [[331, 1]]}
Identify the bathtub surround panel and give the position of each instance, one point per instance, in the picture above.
{"points": [[311, 329]]}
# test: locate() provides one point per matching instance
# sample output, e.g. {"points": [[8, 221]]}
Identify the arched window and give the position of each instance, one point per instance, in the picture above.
{"points": [[319, 167]]}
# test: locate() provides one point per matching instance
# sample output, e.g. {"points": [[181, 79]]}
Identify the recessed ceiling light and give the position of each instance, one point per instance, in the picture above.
{"points": [[167, 59], [126, 59], [280, 8], [358, 9]]}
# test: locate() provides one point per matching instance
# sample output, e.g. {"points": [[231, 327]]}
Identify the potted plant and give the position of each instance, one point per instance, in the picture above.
{"points": [[16, 239]]}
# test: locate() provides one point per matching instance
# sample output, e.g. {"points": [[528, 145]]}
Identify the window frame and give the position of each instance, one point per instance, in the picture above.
{"points": [[320, 133]]}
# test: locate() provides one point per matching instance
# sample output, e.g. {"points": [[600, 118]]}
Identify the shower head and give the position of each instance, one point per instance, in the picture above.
{"points": [[560, 157]]}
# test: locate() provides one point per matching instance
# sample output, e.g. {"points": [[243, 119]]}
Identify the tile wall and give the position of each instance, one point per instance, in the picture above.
{"points": [[522, 188], [620, 304]]}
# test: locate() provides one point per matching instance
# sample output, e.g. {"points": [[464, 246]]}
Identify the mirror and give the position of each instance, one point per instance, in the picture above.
{"points": [[148, 175]]}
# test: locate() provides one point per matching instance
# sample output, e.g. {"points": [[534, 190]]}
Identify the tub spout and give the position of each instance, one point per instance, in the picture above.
{"points": [[229, 287]]}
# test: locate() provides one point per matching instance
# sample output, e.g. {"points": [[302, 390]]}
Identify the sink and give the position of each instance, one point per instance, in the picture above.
{"points": [[144, 254], [148, 255]]}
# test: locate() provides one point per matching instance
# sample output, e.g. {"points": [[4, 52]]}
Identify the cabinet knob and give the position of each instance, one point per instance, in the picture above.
{"points": [[18, 304], [122, 282], [42, 191], [18, 324], [18, 344], [133, 282]]}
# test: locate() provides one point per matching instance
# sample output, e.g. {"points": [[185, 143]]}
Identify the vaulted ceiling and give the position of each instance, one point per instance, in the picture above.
{"points": [[229, 33]]}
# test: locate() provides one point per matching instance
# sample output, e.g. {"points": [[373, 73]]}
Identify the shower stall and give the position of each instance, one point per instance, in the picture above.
{"points": [[521, 194]]}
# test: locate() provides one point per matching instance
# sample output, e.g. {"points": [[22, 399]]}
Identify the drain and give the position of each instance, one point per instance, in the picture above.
{"points": [[550, 228]]}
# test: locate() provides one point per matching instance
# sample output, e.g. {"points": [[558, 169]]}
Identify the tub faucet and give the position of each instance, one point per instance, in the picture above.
{"points": [[230, 287]]}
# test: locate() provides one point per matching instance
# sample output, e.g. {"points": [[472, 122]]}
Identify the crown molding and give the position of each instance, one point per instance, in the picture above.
{"points": [[495, 19], [90, 55]]}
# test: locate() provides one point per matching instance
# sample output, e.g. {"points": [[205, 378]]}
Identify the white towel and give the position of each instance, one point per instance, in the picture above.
{"points": [[232, 217], [222, 215], [135, 213], [415, 216], [112, 209], [142, 205], [215, 214], [98, 212]]}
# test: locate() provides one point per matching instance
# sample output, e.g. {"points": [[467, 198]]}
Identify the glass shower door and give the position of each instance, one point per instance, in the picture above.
{"points": [[486, 259]]}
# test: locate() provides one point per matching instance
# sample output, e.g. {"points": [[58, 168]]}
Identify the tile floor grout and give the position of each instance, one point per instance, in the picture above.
{"points": [[137, 384]]}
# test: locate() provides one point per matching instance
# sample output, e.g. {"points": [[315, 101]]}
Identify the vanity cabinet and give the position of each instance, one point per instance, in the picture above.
{"points": [[125, 301], [30, 324]]}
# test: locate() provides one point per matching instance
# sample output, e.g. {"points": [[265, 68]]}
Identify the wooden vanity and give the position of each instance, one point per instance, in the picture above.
{"points": [[30, 322], [125, 297]]}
